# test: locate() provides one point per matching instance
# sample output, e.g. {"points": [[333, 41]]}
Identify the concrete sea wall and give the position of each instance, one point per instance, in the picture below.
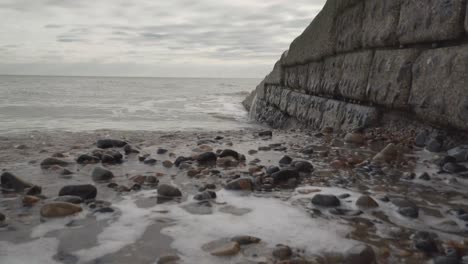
{"points": [[360, 60]]}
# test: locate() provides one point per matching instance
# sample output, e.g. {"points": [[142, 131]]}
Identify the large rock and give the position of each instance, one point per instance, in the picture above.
{"points": [[430, 20], [101, 174], [284, 175], [390, 76], [85, 191], [59, 209], [10, 181], [439, 92], [380, 23]]}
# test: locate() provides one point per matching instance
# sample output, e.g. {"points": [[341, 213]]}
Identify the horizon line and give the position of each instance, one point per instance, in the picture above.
{"points": [[112, 76]]}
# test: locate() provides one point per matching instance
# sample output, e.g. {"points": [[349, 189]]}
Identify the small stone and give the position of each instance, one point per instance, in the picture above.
{"points": [[207, 158], [284, 175], [108, 159], [101, 174], [110, 143], [222, 248], [87, 159], [308, 150], [162, 151], [45, 164], [2, 217], [206, 195], [230, 153], [59, 209], [264, 148], [29, 200], [104, 210], [421, 139], [435, 144], [303, 166], [169, 191], [355, 138], [152, 180], [85, 191], [252, 152], [286, 160], [425, 177], [168, 260], [241, 184], [344, 196], [10, 181], [360, 254], [366, 202], [35, 190], [150, 161], [265, 134], [425, 242], [451, 167], [282, 252], [168, 164], [326, 200], [272, 169], [142, 158], [227, 162], [128, 149], [459, 153], [246, 240], [181, 159]]}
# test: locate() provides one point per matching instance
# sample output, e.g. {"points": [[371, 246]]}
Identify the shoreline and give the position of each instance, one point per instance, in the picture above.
{"points": [[141, 229]]}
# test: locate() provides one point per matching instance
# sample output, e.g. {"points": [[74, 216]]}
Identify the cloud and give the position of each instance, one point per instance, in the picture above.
{"points": [[212, 33]]}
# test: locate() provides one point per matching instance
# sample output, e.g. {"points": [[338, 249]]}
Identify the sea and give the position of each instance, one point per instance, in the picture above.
{"points": [[44, 103]]}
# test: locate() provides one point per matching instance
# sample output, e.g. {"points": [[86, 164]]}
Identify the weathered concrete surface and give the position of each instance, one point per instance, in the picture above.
{"points": [[348, 28], [430, 20], [317, 41], [345, 116], [315, 77], [276, 75], [355, 72], [440, 92], [380, 23], [466, 18], [296, 77], [390, 77], [332, 71]]}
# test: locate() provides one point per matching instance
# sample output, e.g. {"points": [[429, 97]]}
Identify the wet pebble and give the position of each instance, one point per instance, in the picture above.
{"points": [[110, 143], [85, 191], [241, 184], [48, 162], [169, 190], [100, 174], [360, 254], [326, 200], [285, 160], [59, 209], [222, 247], [10, 181], [366, 202], [87, 159], [282, 252]]}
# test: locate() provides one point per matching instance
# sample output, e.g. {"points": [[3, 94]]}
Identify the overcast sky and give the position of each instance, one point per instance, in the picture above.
{"points": [[167, 38]]}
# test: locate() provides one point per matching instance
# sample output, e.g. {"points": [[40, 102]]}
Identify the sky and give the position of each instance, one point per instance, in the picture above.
{"points": [[154, 38]]}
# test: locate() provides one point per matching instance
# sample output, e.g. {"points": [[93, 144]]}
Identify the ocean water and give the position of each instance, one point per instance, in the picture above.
{"points": [[30, 103]]}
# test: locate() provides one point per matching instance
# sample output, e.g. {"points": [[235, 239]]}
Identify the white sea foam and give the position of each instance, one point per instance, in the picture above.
{"points": [[38, 251]]}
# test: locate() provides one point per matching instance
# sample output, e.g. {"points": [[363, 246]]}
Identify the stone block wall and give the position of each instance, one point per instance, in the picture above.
{"points": [[361, 59]]}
